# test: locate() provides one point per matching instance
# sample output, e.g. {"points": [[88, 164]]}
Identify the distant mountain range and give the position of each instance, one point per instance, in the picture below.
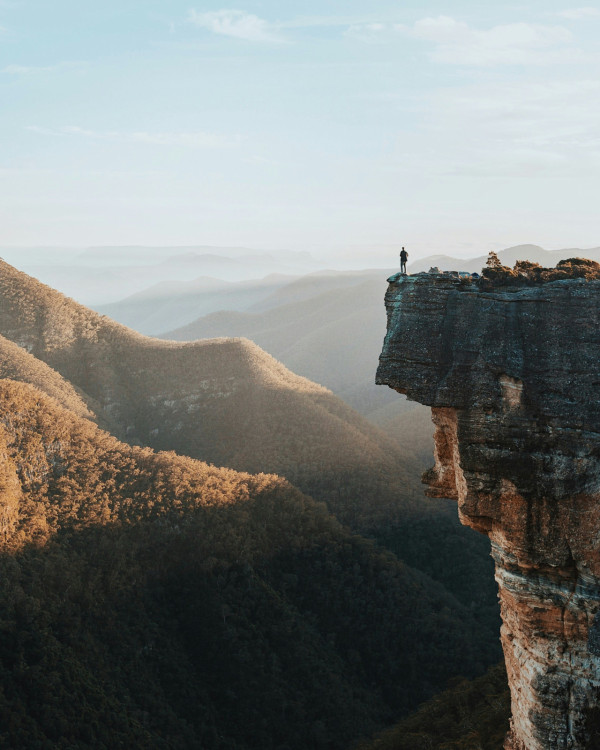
{"points": [[174, 303], [98, 276], [101, 276]]}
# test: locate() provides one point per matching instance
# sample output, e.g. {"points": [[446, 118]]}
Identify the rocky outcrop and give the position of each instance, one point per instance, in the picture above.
{"points": [[513, 379]]}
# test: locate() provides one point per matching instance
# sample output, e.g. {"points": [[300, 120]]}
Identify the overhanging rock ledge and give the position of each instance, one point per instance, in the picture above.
{"points": [[513, 379]]}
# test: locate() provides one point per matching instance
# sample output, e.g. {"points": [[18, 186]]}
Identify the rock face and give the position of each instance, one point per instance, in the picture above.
{"points": [[513, 379]]}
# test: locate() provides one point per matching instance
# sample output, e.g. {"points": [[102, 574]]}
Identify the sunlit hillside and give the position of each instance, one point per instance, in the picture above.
{"points": [[150, 600], [230, 403], [18, 364], [224, 401]]}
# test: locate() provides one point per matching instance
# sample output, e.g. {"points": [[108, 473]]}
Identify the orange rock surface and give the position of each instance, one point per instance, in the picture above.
{"points": [[513, 379]]}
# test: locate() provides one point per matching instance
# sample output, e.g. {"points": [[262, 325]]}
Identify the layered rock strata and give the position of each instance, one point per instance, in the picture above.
{"points": [[513, 379]]}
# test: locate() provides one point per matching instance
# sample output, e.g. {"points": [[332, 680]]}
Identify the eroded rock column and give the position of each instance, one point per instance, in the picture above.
{"points": [[513, 379]]}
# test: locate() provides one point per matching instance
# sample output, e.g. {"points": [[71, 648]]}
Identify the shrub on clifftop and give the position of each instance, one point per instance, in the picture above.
{"points": [[526, 273]]}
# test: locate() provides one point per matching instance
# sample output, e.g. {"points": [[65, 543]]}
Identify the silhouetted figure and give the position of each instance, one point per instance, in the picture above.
{"points": [[403, 259]]}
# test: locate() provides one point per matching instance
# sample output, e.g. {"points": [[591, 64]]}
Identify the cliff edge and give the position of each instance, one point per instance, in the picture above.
{"points": [[513, 378]]}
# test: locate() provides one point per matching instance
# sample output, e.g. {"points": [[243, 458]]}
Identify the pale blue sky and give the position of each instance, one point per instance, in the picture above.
{"points": [[442, 126]]}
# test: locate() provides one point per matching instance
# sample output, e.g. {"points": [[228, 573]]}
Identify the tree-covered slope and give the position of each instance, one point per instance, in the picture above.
{"points": [[470, 715], [223, 401], [18, 364], [151, 600], [228, 402]]}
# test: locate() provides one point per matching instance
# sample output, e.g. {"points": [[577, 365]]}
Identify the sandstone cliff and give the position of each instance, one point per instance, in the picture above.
{"points": [[512, 376]]}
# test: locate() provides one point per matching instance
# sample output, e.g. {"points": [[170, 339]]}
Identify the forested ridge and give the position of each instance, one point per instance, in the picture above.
{"points": [[228, 402], [152, 600], [223, 400]]}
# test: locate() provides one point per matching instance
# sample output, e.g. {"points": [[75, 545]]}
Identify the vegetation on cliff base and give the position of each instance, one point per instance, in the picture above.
{"points": [[526, 273], [470, 715]]}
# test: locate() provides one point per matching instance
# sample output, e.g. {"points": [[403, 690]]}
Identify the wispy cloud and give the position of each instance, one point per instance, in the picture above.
{"points": [[23, 70], [578, 14], [517, 129], [509, 44], [456, 43], [238, 24], [195, 139], [369, 32], [17, 70], [311, 22]]}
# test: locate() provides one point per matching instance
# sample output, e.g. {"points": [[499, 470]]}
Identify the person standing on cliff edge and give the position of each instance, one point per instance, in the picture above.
{"points": [[403, 259]]}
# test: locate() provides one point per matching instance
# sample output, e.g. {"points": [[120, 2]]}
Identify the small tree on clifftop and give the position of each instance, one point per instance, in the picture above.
{"points": [[493, 261]]}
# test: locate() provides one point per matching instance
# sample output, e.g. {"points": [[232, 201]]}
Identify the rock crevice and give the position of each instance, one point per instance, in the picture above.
{"points": [[513, 379]]}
